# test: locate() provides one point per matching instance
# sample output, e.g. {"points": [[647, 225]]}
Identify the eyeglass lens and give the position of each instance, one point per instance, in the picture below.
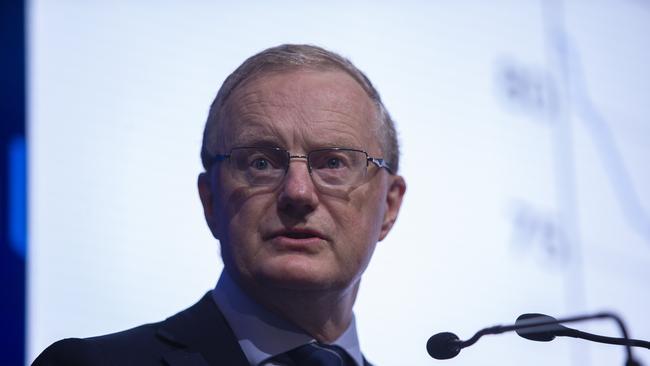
{"points": [[328, 167]]}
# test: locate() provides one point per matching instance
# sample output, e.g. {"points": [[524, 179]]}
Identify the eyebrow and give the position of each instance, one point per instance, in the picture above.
{"points": [[260, 134], [254, 140]]}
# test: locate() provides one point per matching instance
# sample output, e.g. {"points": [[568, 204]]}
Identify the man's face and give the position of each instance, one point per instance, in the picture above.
{"points": [[297, 235]]}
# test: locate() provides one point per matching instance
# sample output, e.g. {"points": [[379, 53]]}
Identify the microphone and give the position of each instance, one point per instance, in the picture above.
{"points": [[543, 333], [544, 328], [549, 332], [537, 327], [444, 346]]}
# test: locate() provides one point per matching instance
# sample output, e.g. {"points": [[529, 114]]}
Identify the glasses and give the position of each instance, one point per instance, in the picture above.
{"points": [[333, 167]]}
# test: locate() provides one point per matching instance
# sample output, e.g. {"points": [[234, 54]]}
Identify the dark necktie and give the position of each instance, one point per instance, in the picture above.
{"points": [[315, 354]]}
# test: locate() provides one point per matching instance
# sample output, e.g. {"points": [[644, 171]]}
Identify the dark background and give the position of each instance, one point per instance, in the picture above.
{"points": [[12, 182]]}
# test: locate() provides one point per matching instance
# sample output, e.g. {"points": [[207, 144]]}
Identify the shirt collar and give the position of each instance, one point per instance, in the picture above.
{"points": [[262, 334]]}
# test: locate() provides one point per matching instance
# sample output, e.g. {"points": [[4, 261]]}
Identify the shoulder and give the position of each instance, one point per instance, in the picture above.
{"points": [[198, 335], [127, 347], [70, 351]]}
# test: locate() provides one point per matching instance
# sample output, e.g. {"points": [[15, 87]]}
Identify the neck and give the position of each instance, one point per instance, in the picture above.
{"points": [[324, 315]]}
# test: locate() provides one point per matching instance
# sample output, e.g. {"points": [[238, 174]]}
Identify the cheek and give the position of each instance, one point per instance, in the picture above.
{"points": [[238, 206], [241, 213], [359, 221], [371, 208]]}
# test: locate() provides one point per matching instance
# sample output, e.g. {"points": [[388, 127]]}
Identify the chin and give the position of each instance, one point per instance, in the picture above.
{"points": [[303, 275]]}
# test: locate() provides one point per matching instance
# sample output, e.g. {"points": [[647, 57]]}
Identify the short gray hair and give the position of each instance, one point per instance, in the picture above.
{"points": [[289, 57]]}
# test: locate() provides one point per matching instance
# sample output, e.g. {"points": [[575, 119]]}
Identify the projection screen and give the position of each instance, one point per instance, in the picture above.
{"points": [[524, 133]]}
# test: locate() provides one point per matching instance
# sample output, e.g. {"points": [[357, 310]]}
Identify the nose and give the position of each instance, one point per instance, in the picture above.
{"points": [[298, 196]]}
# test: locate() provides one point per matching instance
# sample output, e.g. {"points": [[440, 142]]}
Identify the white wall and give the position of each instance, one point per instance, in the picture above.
{"points": [[524, 131]]}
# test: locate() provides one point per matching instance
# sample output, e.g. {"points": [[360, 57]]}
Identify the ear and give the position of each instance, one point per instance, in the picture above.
{"points": [[204, 184], [394, 195]]}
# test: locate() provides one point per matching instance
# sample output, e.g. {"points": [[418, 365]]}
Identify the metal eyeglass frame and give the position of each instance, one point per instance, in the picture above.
{"points": [[379, 162]]}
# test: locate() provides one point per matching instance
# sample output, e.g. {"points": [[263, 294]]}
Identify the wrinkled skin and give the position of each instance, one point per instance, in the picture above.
{"points": [[258, 227]]}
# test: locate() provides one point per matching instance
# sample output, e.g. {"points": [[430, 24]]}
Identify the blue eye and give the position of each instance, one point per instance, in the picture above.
{"points": [[333, 163], [260, 164]]}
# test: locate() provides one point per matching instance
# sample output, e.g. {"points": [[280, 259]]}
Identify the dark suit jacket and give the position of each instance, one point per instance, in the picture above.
{"points": [[197, 336]]}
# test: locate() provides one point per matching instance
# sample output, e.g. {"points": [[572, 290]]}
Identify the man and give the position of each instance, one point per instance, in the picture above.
{"points": [[300, 184]]}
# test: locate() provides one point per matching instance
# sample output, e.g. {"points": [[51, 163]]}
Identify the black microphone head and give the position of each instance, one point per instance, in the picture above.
{"points": [[542, 333], [443, 346]]}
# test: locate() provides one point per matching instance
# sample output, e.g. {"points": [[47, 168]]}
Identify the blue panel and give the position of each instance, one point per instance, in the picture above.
{"points": [[18, 196]]}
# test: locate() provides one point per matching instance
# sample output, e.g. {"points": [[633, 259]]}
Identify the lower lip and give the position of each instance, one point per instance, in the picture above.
{"points": [[296, 243]]}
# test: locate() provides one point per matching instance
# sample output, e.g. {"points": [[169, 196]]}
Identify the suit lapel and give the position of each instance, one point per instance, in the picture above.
{"points": [[202, 336]]}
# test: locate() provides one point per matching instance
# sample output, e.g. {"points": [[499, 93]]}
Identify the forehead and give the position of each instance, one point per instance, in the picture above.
{"points": [[301, 109]]}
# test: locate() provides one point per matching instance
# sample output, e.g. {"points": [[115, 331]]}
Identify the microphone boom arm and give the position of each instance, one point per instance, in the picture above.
{"points": [[536, 327]]}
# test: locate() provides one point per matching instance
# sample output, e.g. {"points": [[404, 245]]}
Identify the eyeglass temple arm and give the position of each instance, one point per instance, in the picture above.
{"points": [[381, 163]]}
